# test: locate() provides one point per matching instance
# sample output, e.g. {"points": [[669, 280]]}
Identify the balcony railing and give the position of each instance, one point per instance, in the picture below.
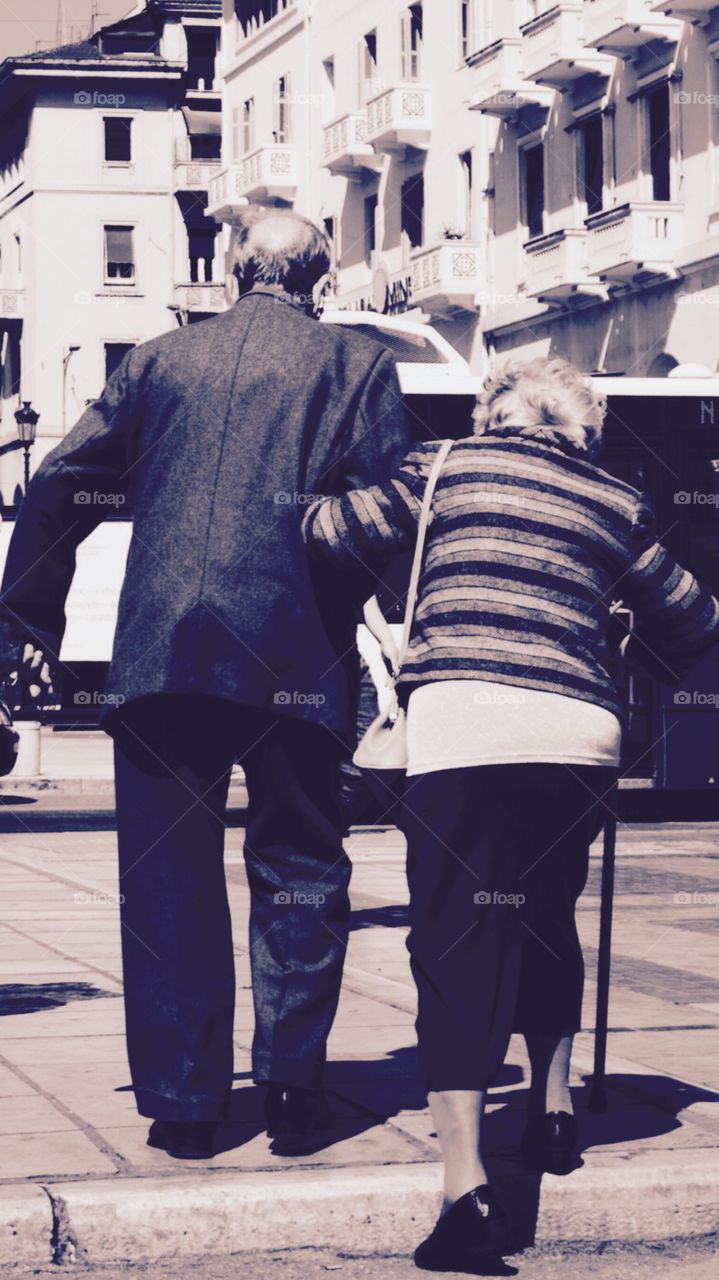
{"points": [[626, 27], [557, 269], [269, 173], [446, 276], [207, 296], [554, 50], [689, 10], [346, 149], [497, 86], [12, 304], [400, 117], [634, 241], [193, 175]]}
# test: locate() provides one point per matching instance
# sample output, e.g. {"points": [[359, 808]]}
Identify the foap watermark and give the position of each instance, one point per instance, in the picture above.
{"points": [[297, 898], [697, 898], [695, 698], [697, 299], [683, 498], [285, 698], [499, 698], [696, 99], [286, 498], [85, 299], [483, 898], [85, 499], [99, 899], [85, 98], [91, 698]]}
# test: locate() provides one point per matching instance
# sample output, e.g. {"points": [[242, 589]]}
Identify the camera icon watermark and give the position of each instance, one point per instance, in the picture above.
{"points": [[483, 898], [297, 898], [85, 499], [99, 899], [296, 698], [696, 698], [697, 898], [286, 498], [92, 698]]}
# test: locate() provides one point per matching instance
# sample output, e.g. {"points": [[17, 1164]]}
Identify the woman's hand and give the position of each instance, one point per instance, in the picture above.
{"points": [[378, 625]]}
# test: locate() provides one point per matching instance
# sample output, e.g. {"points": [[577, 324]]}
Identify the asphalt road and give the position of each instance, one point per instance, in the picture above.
{"points": [[679, 1261]]}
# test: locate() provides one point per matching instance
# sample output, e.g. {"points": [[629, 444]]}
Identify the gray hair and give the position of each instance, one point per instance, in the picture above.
{"points": [[548, 400], [279, 247]]}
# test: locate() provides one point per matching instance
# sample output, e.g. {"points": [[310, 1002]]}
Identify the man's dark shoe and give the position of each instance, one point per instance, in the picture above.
{"points": [[193, 1140], [550, 1143], [296, 1118], [474, 1229]]}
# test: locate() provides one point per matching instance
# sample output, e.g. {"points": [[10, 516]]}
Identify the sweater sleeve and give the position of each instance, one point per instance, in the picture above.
{"points": [[677, 618], [367, 524]]}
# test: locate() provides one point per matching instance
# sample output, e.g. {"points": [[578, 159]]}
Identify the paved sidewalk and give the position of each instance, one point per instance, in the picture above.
{"points": [[80, 1181]]}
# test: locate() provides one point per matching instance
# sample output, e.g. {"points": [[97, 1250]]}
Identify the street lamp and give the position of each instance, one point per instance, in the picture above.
{"points": [[27, 419]]}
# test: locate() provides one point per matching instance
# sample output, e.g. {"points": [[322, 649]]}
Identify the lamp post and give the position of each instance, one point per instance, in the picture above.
{"points": [[27, 419]]}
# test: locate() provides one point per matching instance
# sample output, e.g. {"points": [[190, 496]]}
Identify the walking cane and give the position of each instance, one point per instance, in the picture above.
{"points": [[598, 1094]]}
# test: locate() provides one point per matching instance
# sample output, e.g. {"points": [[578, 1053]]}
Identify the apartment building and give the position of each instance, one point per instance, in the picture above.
{"points": [[533, 176], [355, 112], [106, 151]]}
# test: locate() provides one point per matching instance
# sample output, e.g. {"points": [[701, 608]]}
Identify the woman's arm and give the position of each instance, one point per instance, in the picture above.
{"points": [[677, 619], [372, 521], [379, 627]]}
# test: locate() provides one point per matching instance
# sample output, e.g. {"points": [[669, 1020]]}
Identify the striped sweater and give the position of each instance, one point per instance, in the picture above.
{"points": [[528, 547]]}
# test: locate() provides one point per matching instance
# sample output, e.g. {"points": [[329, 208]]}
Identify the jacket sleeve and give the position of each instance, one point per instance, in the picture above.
{"points": [[366, 524], [66, 499], [676, 618]]}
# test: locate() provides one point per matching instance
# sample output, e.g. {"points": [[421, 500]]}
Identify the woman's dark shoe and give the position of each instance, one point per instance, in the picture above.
{"points": [[473, 1229], [549, 1143], [296, 1118], [193, 1140]]}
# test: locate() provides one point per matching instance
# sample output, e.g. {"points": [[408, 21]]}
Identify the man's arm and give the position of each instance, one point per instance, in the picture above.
{"points": [[62, 506]]}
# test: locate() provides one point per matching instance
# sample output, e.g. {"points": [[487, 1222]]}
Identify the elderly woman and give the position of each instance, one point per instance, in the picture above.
{"points": [[514, 734]]}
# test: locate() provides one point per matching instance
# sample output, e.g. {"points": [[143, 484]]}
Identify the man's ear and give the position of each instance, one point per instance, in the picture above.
{"points": [[320, 290]]}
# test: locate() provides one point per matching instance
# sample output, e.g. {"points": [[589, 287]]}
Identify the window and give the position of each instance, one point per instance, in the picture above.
{"points": [[591, 163], [465, 161], [330, 226], [205, 146], [411, 37], [201, 57], [370, 227], [119, 255], [201, 244], [413, 209], [282, 129], [368, 67], [532, 159], [236, 143], [659, 129], [328, 96], [118, 139], [466, 24], [248, 126], [115, 353], [18, 251]]}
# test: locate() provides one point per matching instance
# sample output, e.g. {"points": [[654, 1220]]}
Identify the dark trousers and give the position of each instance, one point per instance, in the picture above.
{"points": [[173, 757], [497, 857]]}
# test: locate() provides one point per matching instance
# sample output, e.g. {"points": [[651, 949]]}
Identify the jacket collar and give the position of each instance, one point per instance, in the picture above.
{"points": [[275, 291]]}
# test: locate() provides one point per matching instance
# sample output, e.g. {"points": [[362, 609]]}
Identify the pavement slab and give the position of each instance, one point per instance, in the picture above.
{"points": [[72, 1143]]}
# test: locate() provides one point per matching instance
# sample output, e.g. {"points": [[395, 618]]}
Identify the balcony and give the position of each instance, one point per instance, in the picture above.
{"points": [[554, 50], [634, 241], [446, 277], [497, 86], [696, 11], [346, 149], [268, 174], [626, 27], [205, 297], [194, 175], [400, 117], [12, 304], [557, 270]]}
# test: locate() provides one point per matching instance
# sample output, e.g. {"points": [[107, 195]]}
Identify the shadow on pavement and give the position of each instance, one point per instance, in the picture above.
{"points": [[26, 997]]}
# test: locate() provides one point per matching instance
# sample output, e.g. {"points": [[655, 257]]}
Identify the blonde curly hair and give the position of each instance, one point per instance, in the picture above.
{"points": [[548, 400]]}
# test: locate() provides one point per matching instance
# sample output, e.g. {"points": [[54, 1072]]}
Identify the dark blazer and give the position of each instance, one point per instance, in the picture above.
{"points": [[218, 433]]}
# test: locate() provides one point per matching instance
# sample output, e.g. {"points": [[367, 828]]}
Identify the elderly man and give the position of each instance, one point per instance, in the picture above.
{"points": [[229, 645]]}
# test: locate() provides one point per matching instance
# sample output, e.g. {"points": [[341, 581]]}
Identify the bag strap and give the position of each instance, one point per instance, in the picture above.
{"points": [[422, 527]]}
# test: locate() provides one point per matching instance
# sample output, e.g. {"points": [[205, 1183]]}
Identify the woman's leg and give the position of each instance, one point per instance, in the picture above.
{"points": [[549, 1002], [467, 831]]}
